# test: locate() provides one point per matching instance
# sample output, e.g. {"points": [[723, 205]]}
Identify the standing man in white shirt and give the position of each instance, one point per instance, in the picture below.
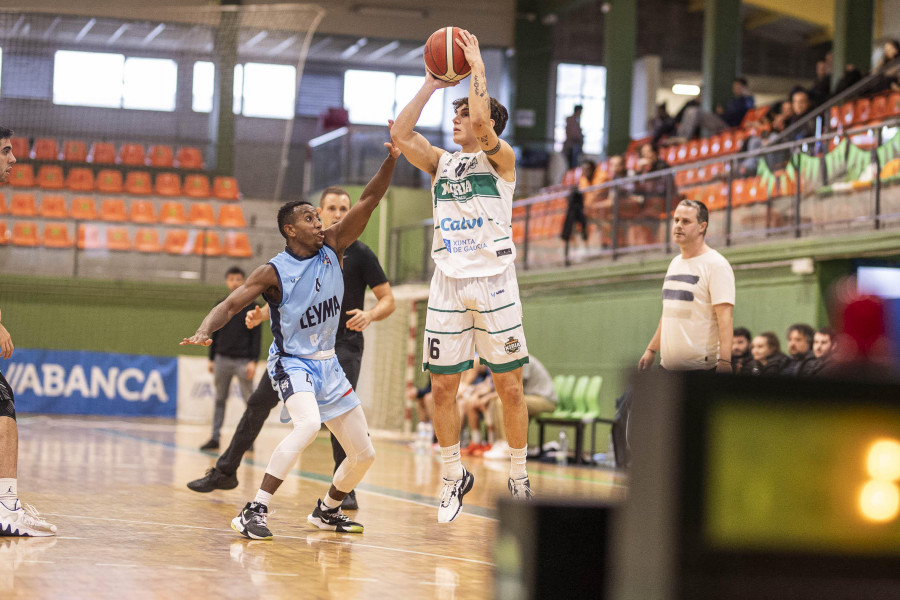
{"points": [[696, 327]]}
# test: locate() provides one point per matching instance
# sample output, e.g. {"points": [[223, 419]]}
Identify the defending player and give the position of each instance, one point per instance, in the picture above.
{"points": [[474, 297], [303, 287]]}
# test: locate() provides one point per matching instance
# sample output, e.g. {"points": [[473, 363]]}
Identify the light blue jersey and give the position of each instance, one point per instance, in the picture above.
{"points": [[304, 323]]}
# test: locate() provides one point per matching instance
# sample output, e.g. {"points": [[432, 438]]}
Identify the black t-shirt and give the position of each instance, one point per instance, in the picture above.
{"points": [[234, 340], [361, 269]]}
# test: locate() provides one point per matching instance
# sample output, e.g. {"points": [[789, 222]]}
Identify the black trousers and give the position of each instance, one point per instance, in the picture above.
{"points": [[575, 214], [348, 347]]}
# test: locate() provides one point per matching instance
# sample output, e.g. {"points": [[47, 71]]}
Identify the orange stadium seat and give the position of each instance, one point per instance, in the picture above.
{"points": [[80, 179], [879, 107], [132, 155], [196, 186], [75, 151], [50, 177], [20, 147], [146, 240], [53, 207], [102, 153], [168, 184], [847, 114], [207, 243], [862, 111], [231, 215], [237, 245], [705, 145], [109, 181], [226, 188], [177, 241], [715, 145], [893, 107], [22, 175], [45, 149], [2, 204], [84, 208], [693, 150], [172, 213], [189, 157], [4, 234], [113, 209], [56, 235], [23, 205], [161, 156], [138, 183], [89, 237], [201, 213], [142, 211], [25, 233], [117, 239], [671, 154]]}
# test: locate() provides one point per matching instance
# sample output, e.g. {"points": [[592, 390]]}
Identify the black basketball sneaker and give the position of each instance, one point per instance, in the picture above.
{"points": [[251, 523], [333, 520]]}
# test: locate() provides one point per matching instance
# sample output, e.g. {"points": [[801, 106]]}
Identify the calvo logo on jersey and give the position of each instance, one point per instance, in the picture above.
{"points": [[512, 345], [449, 224]]}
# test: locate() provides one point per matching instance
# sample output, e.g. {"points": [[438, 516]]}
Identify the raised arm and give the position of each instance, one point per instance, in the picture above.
{"points": [[263, 278], [414, 146], [498, 152]]}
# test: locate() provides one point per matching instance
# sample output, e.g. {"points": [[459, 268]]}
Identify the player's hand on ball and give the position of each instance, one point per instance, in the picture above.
{"points": [[469, 44], [438, 83], [359, 321], [393, 149], [254, 317], [198, 339]]}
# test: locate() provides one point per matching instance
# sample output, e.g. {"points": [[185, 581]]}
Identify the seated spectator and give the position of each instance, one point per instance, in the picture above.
{"points": [[598, 205], [888, 77], [821, 89], [651, 194], [650, 160], [801, 105], [734, 111], [696, 118], [475, 391], [661, 125], [799, 345], [741, 356], [823, 349], [424, 401], [768, 359], [540, 397]]}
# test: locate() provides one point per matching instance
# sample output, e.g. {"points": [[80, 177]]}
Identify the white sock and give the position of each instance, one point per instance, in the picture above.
{"points": [[263, 498], [8, 493], [329, 502], [476, 436], [451, 468], [517, 462]]}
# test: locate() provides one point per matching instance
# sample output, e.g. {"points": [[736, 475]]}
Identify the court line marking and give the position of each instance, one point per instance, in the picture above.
{"points": [[40, 562], [276, 574], [358, 579], [115, 565], [289, 537], [202, 569]]}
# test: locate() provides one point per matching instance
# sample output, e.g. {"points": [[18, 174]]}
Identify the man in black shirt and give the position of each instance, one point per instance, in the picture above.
{"points": [[233, 353], [361, 269]]}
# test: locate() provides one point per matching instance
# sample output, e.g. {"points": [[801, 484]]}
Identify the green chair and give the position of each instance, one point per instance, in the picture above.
{"points": [[592, 398], [564, 394]]}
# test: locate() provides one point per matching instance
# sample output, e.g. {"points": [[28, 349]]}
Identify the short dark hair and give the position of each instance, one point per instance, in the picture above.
{"points": [[742, 332], [285, 211], [702, 211], [577, 108], [499, 114], [772, 341], [799, 90], [333, 189], [235, 270], [742, 81], [806, 330], [5, 132], [826, 331]]}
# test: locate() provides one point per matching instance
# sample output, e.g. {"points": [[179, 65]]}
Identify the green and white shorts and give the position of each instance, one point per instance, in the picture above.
{"points": [[482, 314]]}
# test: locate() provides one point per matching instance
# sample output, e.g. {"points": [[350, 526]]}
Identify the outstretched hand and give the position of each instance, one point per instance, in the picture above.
{"points": [[254, 317], [393, 150], [198, 339]]}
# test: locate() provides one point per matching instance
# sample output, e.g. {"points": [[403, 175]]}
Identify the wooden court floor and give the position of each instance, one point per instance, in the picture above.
{"points": [[130, 529]]}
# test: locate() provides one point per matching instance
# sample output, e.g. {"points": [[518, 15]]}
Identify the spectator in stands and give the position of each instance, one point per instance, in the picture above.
{"points": [[768, 359], [734, 111], [617, 167], [598, 205], [650, 160], [800, 106], [823, 349], [475, 390], [424, 401], [574, 137], [821, 89], [741, 357], [696, 118], [577, 201], [662, 124], [799, 346], [652, 193], [888, 78]]}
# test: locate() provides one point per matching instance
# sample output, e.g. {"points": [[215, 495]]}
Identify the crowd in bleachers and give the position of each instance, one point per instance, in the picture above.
{"points": [[809, 352]]}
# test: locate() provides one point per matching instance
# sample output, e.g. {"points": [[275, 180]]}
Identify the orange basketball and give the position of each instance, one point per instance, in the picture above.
{"points": [[443, 57]]}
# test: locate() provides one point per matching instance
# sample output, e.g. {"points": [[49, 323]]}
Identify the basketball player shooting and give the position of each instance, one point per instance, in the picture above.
{"points": [[474, 301], [303, 287]]}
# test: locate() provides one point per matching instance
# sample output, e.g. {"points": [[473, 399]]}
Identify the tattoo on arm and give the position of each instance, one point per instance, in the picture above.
{"points": [[483, 139], [480, 90], [493, 150]]}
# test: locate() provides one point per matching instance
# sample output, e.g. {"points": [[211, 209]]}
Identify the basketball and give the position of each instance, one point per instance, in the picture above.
{"points": [[443, 57]]}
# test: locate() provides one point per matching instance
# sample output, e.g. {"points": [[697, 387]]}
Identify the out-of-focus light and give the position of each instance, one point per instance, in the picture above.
{"points": [[685, 89], [879, 501], [884, 460]]}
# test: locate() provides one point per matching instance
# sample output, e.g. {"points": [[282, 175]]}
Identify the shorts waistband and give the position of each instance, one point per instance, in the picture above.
{"points": [[320, 355]]}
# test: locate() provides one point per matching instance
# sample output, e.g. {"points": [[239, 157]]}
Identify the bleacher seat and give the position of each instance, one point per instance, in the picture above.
{"points": [[25, 233], [894, 104], [168, 184], [56, 235], [4, 234], [237, 245], [172, 213], [19, 147], [231, 215], [83, 208], [138, 183], [132, 155], [201, 213], [53, 207], [847, 114], [142, 211], [80, 179], [45, 149], [2, 203], [207, 243], [22, 175], [102, 153], [177, 241], [147, 240], [226, 188], [189, 157], [160, 156], [89, 237], [109, 181], [117, 239], [862, 111], [113, 209], [50, 177], [75, 151], [196, 186], [23, 205]]}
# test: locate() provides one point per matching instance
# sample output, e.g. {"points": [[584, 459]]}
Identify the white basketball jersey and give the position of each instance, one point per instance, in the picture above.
{"points": [[472, 217]]}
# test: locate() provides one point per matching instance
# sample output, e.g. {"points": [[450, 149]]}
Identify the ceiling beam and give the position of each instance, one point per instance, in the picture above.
{"points": [[153, 34], [85, 30], [356, 47], [761, 19], [256, 39], [52, 27], [386, 49], [284, 45], [414, 53], [117, 34], [319, 45]]}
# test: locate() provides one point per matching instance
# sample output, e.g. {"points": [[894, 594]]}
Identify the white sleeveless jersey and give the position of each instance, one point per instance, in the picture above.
{"points": [[472, 217]]}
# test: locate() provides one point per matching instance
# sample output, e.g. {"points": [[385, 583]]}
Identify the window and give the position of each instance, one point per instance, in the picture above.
{"points": [[260, 90], [372, 97], [585, 85], [319, 92], [113, 81]]}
